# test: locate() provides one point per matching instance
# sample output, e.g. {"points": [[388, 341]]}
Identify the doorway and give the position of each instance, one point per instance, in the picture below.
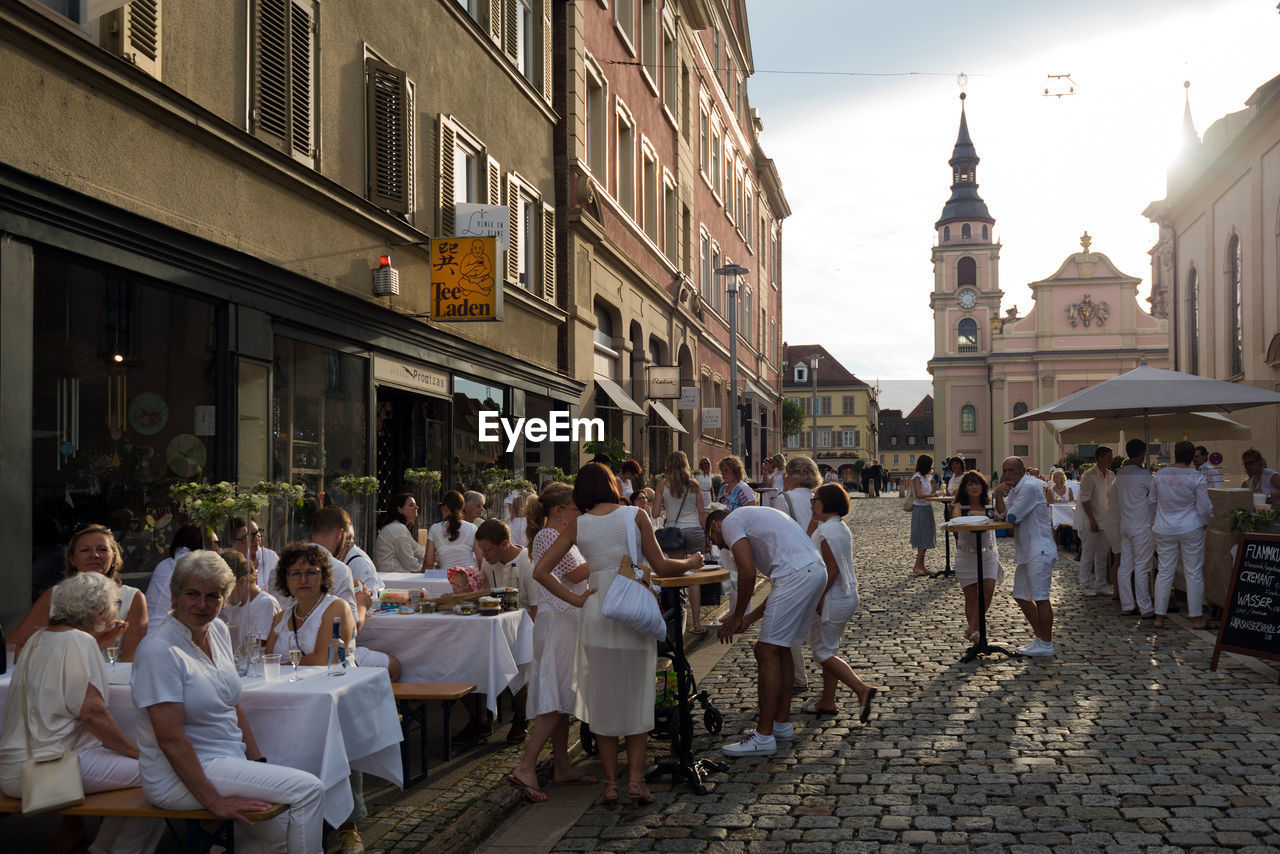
{"points": [[411, 434]]}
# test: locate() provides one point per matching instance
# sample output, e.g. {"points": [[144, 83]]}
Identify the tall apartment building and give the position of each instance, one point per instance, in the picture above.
{"points": [[666, 184]]}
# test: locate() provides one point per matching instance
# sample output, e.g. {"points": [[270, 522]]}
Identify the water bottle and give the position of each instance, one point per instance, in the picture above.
{"points": [[337, 651]]}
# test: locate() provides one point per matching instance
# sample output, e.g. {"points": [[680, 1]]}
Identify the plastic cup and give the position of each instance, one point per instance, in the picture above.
{"points": [[271, 667], [10, 656]]}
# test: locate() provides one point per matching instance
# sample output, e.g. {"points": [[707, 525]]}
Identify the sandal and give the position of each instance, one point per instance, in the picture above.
{"points": [[865, 714], [610, 796], [812, 708], [639, 792], [532, 793]]}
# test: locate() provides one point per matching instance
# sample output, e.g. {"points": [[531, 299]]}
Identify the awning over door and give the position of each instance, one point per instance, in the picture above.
{"points": [[620, 398], [665, 413]]}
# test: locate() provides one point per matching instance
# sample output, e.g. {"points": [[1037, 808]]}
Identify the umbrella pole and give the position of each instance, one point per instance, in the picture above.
{"points": [[1146, 427]]}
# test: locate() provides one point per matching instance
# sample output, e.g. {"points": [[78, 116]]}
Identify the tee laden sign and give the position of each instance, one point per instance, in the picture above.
{"points": [[464, 279]]}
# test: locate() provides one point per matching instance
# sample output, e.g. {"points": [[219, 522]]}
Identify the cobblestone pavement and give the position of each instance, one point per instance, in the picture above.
{"points": [[1124, 741]]}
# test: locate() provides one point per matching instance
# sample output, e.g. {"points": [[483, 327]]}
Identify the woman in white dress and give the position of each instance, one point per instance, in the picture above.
{"points": [[452, 541], [703, 477], [94, 549], [64, 680], [305, 571], [552, 698], [971, 500], [397, 549], [615, 664], [838, 603]]}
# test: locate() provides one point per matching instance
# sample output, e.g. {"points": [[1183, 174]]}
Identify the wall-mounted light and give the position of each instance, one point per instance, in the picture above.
{"points": [[386, 279]]}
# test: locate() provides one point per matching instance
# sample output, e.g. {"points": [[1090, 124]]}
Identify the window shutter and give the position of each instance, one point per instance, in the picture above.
{"points": [[133, 32], [494, 196], [546, 54], [271, 109], [302, 75], [495, 21], [387, 101], [284, 75], [549, 254], [514, 238], [511, 43], [447, 140]]}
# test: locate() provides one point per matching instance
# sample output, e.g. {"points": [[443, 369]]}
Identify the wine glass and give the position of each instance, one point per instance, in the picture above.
{"points": [[255, 655], [295, 656], [113, 652]]}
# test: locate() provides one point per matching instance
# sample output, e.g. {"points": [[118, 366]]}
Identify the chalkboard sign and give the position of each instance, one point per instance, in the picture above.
{"points": [[1251, 619]]}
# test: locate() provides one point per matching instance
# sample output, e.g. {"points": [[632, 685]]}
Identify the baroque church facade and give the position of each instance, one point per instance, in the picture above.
{"points": [[1085, 326]]}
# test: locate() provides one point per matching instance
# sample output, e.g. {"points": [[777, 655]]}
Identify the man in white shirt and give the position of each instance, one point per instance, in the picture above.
{"points": [[1091, 506], [1180, 499], [1020, 498], [1211, 473], [508, 565], [767, 539], [1137, 543]]}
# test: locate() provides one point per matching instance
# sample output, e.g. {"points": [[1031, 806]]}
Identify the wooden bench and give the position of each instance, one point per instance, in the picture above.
{"points": [[130, 803], [411, 698]]}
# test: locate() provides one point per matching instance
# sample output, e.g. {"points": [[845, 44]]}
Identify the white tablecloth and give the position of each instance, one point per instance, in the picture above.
{"points": [[492, 652], [433, 581], [1061, 513], [325, 725]]}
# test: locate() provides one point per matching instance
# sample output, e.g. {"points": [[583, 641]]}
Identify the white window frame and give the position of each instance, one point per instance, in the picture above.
{"points": [[649, 192], [625, 159], [670, 216], [650, 43], [624, 21], [595, 132], [670, 55]]}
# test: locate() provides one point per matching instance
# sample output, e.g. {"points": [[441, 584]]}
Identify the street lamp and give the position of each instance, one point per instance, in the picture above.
{"points": [[734, 271], [813, 365]]}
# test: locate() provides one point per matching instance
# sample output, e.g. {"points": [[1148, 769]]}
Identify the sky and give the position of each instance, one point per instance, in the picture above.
{"points": [[862, 147]]}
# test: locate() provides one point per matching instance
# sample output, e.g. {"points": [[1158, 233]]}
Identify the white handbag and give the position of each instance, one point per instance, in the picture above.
{"points": [[50, 782], [630, 600]]}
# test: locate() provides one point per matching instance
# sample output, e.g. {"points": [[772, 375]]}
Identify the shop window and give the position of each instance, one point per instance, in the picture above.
{"points": [[470, 456], [124, 404]]}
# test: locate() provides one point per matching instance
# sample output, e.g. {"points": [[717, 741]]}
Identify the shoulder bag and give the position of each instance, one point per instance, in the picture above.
{"points": [[631, 600], [669, 537], [909, 495], [49, 782]]}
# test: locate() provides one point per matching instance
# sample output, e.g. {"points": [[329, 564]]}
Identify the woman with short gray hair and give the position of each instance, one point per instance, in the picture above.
{"points": [[64, 680]]}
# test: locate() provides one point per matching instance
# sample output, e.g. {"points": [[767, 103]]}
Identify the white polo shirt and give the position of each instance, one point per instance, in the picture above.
{"points": [[778, 544]]}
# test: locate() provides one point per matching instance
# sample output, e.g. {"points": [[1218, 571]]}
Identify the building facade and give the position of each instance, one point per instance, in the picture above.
{"points": [[903, 438], [1085, 326], [847, 410], [666, 185], [1215, 263]]}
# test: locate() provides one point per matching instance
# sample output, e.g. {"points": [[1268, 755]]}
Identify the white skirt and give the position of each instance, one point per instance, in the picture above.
{"points": [[555, 643]]}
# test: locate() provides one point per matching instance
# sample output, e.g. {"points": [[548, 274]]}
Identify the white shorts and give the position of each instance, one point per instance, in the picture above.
{"points": [[791, 605], [366, 657], [829, 626], [1031, 581]]}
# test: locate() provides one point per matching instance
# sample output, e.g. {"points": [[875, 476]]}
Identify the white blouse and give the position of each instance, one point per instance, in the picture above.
{"points": [[397, 551], [1180, 498], [459, 552]]}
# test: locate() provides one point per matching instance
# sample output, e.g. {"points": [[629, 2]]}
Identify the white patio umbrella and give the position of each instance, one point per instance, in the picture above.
{"points": [[1201, 426], [1146, 391]]}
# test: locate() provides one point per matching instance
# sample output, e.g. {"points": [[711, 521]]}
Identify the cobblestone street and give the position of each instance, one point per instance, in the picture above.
{"points": [[1124, 741]]}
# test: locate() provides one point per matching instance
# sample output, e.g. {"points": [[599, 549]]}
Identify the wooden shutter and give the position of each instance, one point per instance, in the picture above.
{"points": [[284, 74], [495, 21], [511, 42], [302, 76], [386, 102], [549, 254], [493, 191], [447, 139], [515, 240], [133, 32], [546, 52]]}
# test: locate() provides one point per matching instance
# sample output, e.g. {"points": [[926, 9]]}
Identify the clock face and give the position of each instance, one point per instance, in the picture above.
{"points": [[148, 413], [186, 455], [967, 298]]}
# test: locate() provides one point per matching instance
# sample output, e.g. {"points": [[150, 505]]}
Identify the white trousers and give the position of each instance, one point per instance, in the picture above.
{"points": [[1136, 550], [1095, 553], [1191, 547], [297, 830], [104, 770]]}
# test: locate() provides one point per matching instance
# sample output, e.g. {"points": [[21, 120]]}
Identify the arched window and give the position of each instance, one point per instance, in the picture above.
{"points": [[946, 233], [1020, 408], [985, 234], [968, 419], [965, 233], [1234, 309], [966, 272], [1193, 318], [604, 326], [967, 335]]}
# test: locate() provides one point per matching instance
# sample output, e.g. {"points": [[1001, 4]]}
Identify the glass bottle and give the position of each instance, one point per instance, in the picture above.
{"points": [[337, 651]]}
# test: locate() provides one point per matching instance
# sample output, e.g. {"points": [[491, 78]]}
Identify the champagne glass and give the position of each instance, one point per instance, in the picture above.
{"points": [[295, 656], [113, 652]]}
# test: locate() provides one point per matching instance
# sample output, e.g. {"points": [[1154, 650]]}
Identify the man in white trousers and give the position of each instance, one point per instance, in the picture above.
{"points": [[1137, 542], [1020, 499], [1091, 506]]}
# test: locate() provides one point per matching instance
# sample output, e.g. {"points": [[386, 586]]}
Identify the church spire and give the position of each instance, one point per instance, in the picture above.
{"points": [[965, 203], [1190, 139]]}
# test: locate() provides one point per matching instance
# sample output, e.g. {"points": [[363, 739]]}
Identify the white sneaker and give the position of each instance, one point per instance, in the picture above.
{"points": [[781, 731], [754, 744], [1042, 648], [1029, 648]]}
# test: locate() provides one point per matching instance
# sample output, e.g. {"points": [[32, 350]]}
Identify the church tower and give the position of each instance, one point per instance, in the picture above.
{"points": [[966, 309]]}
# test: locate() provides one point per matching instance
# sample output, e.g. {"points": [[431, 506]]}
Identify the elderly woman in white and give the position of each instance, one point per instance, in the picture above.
{"points": [[197, 748], [64, 679]]}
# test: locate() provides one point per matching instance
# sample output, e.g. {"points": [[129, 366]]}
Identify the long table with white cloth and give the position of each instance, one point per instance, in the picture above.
{"points": [[325, 725], [1060, 514], [434, 582], [492, 652]]}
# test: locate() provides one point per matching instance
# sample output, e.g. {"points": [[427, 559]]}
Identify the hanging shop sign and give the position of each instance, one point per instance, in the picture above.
{"points": [[689, 397], [711, 418], [464, 279], [473, 220], [664, 382]]}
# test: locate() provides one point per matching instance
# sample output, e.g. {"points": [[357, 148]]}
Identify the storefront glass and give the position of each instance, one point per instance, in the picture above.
{"points": [[470, 456], [124, 406]]}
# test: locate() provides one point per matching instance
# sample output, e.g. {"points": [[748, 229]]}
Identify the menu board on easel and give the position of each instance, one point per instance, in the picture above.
{"points": [[1251, 618]]}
